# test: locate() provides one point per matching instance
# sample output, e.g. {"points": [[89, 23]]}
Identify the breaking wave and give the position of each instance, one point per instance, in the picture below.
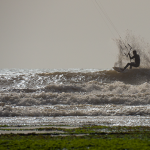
{"points": [[74, 92]]}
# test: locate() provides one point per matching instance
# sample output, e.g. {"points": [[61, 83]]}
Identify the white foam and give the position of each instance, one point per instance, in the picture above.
{"points": [[74, 110], [76, 93], [78, 120]]}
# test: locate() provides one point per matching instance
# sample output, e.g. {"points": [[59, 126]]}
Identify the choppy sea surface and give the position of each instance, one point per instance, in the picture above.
{"points": [[74, 97]]}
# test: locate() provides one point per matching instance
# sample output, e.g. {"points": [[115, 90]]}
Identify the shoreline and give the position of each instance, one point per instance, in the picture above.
{"points": [[77, 121]]}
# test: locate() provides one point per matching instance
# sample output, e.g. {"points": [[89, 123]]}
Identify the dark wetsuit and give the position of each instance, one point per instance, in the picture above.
{"points": [[134, 64]]}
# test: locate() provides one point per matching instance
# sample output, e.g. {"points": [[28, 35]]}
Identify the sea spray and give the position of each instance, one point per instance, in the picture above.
{"points": [[136, 43]]}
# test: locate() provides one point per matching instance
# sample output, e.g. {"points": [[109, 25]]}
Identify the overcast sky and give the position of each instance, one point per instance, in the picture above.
{"points": [[67, 33]]}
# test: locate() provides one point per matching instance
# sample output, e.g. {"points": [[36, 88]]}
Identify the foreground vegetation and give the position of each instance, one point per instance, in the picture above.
{"points": [[87, 137]]}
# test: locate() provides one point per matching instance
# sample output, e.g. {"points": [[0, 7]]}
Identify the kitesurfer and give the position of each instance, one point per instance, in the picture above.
{"points": [[133, 64]]}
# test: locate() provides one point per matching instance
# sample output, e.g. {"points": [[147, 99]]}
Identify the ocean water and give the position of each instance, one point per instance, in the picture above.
{"points": [[74, 97]]}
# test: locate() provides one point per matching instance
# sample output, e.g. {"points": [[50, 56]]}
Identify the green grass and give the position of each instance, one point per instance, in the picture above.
{"points": [[4, 126], [98, 137]]}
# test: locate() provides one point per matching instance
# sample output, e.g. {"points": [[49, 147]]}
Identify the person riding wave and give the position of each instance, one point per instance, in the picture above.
{"points": [[133, 64]]}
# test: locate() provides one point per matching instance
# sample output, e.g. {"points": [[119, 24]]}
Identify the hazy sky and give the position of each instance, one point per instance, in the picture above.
{"points": [[67, 33]]}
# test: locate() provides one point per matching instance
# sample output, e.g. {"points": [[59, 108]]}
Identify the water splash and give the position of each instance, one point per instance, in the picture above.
{"points": [[137, 43]]}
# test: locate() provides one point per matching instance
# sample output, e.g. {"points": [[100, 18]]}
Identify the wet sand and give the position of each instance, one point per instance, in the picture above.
{"points": [[49, 125], [34, 130]]}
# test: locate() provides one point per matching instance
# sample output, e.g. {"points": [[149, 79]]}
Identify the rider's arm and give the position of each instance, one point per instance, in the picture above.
{"points": [[131, 57]]}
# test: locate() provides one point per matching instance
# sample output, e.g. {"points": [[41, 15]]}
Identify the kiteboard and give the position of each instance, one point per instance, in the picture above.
{"points": [[118, 69]]}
